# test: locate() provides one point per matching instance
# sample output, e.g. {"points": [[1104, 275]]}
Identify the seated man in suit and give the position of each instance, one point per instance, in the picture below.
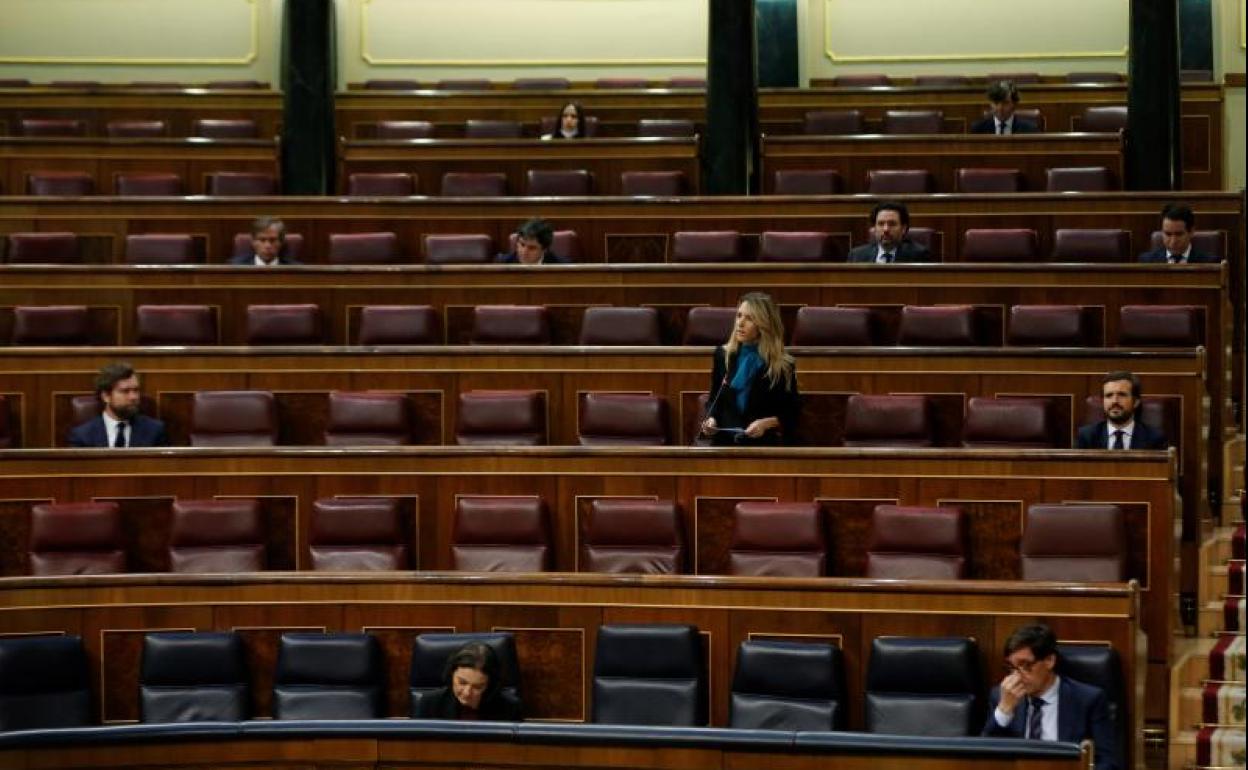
{"points": [[533, 241], [890, 221], [268, 244], [1178, 223], [1003, 99], [119, 424], [1033, 702], [1120, 398]]}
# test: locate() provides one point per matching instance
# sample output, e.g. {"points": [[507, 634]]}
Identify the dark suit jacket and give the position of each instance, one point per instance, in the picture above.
{"points": [[908, 251], [144, 432], [1082, 712], [549, 258], [1096, 436], [988, 125], [1196, 257], [441, 704], [250, 259], [765, 400]]}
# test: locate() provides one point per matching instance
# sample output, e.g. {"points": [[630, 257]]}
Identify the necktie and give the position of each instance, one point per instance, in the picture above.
{"points": [[1000, 128], [886, 258], [1034, 719], [1119, 440], [1175, 258], [120, 441]]}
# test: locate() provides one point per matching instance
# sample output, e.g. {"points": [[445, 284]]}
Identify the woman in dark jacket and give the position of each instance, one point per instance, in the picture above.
{"points": [[569, 123], [472, 690], [753, 398]]}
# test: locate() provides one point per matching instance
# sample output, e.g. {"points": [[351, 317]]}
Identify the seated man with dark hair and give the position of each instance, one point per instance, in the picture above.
{"points": [[268, 244], [533, 241], [1033, 702], [120, 424], [1120, 399], [890, 221], [1003, 99], [1178, 223]]}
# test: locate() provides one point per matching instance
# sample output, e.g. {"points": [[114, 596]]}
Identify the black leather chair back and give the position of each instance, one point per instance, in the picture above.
{"points": [[649, 675], [194, 677], [788, 686], [431, 651], [924, 686], [43, 683], [329, 676], [1101, 667]]}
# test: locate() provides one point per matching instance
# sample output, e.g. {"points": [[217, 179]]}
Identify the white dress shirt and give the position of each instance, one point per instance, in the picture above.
{"points": [[1004, 126], [1048, 715], [1183, 258], [1127, 431], [880, 251], [110, 428]]}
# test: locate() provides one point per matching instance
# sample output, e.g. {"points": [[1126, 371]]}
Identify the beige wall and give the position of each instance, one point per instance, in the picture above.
{"points": [[1228, 57]]}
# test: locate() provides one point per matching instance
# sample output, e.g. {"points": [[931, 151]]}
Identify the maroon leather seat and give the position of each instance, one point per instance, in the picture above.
{"points": [[225, 128], [914, 122], [1161, 413], [475, 249], [808, 181], [833, 122], [47, 127], [391, 84], [621, 83], [1000, 245], [942, 81], [777, 540], [620, 326], [161, 249], [510, 325], [1074, 543], [501, 418], [779, 246], [940, 325], [14, 82], [900, 181], [1176, 326], [710, 246], [632, 536], [559, 182], [404, 129], [43, 248], [917, 543], [1091, 245], [133, 185], [76, 539], [541, 84], [60, 183], [233, 418], [622, 419], [1094, 77], [7, 438], [464, 84], [501, 534], [176, 325], [709, 325], [1080, 179], [380, 248], [1105, 118], [492, 129], [217, 536], [368, 419], [833, 326], [284, 324], [888, 421], [457, 184], [565, 244], [1209, 241], [83, 84], [653, 183], [666, 127], [1009, 422], [253, 85], [990, 180], [862, 80], [1032, 114], [686, 82], [399, 325], [930, 239], [136, 128], [381, 183], [1019, 78], [1048, 326], [291, 247], [549, 123], [51, 325], [357, 534], [241, 183]]}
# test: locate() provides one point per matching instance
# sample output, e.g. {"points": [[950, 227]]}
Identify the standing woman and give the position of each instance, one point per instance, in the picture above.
{"points": [[753, 398], [569, 123]]}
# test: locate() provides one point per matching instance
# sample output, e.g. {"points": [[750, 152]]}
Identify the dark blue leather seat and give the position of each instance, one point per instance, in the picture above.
{"points": [[329, 676], [649, 675], [924, 686], [1101, 667], [43, 683], [788, 686], [194, 677]]}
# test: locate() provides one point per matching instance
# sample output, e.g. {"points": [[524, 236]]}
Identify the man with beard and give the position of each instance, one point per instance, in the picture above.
{"points": [[119, 424], [1120, 398], [890, 221]]}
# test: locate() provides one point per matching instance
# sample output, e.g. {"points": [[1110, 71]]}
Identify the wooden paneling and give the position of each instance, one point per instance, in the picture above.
{"points": [[179, 108]]}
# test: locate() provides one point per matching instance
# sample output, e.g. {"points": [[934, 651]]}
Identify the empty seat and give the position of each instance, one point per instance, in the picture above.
{"points": [[391, 84], [491, 129], [1021, 423], [404, 129], [777, 540], [621, 83], [329, 676], [833, 122], [43, 248], [52, 127], [60, 183], [225, 128], [380, 183], [862, 80], [632, 536], [175, 325], [1047, 326], [1080, 179], [1094, 77], [1099, 666], [1034, 115], [649, 675], [709, 325], [368, 419], [14, 82], [255, 85], [990, 180], [216, 536], [133, 185], [776, 246], [380, 248], [7, 437], [457, 184], [1091, 245], [620, 326], [501, 418], [1074, 543], [787, 686], [666, 127], [82, 84], [357, 534], [686, 82], [233, 418], [924, 686], [430, 652], [563, 182], [914, 121], [944, 325], [808, 181], [711, 246], [284, 324], [894, 421], [399, 325], [622, 419], [161, 249], [136, 128], [1105, 118], [1019, 78], [473, 249], [653, 183], [500, 534], [942, 81], [900, 181], [44, 683], [51, 325], [76, 539], [464, 84], [510, 325], [194, 677], [541, 84], [1000, 245], [240, 183], [917, 543], [1180, 326], [833, 326]]}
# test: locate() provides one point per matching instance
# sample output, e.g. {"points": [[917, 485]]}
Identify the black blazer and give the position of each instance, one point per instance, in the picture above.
{"points": [[988, 125], [250, 259], [1082, 712], [1096, 436], [1196, 257], [496, 707], [144, 432], [780, 400], [548, 258], [907, 251]]}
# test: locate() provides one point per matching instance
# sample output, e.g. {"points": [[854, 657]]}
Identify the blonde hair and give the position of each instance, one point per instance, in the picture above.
{"points": [[770, 337]]}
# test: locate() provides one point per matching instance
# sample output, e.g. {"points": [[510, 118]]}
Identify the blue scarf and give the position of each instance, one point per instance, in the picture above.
{"points": [[749, 362]]}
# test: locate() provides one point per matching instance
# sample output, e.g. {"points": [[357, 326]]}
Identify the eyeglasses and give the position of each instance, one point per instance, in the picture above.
{"points": [[1023, 667]]}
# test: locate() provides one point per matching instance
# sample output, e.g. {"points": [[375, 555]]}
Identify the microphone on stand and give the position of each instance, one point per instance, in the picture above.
{"points": [[710, 407]]}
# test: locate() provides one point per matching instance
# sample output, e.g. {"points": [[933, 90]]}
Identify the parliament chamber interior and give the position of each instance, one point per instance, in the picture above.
{"points": [[347, 346]]}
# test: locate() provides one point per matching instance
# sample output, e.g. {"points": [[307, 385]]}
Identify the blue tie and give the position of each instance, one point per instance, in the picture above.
{"points": [[120, 441], [1034, 719]]}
